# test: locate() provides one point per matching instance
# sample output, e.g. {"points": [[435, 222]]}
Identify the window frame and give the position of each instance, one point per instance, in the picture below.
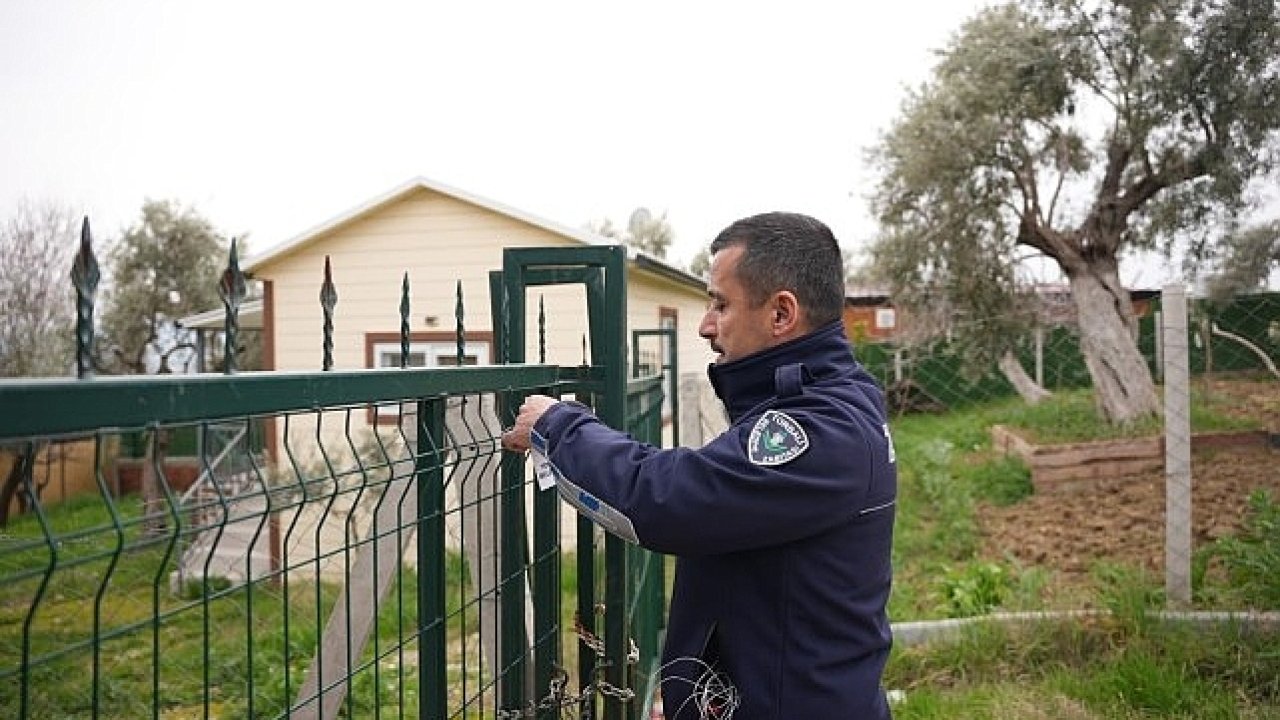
{"points": [[479, 343]]}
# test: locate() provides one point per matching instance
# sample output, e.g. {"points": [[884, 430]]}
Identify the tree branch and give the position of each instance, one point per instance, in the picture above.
{"points": [[1053, 202], [1118, 155], [1033, 235], [1245, 342], [1146, 188]]}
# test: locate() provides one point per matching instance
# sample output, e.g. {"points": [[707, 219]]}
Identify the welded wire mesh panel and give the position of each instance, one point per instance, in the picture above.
{"points": [[349, 543], [344, 560]]}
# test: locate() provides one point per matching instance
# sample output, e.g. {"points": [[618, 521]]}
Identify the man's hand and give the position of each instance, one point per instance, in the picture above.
{"points": [[517, 437]]}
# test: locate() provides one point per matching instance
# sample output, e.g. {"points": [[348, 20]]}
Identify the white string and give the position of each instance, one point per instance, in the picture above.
{"points": [[713, 693]]}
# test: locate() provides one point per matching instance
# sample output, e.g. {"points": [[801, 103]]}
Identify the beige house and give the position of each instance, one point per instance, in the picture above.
{"points": [[441, 236]]}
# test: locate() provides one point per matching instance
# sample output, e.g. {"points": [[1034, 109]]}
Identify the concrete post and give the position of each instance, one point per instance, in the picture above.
{"points": [[1177, 447]]}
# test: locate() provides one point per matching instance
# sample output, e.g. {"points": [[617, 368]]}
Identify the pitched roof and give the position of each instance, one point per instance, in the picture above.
{"points": [[250, 317], [639, 258]]}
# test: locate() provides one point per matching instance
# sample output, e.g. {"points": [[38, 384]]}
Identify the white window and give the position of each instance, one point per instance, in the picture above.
{"points": [[886, 318], [430, 354], [426, 354]]}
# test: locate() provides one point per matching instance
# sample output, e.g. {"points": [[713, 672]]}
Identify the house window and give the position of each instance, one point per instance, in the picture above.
{"points": [[426, 350], [430, 354], [886, 318]]}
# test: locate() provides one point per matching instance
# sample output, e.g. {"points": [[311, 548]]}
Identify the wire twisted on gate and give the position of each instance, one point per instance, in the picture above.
{"points": [[712, 693], [556, 697]]}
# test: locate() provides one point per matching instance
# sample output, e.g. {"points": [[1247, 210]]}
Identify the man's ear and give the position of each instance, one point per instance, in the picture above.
{"points": [[786, 320]]}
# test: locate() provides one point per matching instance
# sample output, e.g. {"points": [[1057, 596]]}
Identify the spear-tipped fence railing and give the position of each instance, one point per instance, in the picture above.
{"points": [[368, 558]]}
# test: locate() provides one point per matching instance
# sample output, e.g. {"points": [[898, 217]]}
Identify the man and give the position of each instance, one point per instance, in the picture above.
{"points": [[783, 524]]}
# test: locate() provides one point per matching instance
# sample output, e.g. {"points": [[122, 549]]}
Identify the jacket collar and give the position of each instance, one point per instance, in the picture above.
{"points": [[749, 381]]}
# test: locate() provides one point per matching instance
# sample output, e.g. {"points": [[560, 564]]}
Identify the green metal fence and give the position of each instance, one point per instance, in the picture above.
{"points": [[378, 555]]}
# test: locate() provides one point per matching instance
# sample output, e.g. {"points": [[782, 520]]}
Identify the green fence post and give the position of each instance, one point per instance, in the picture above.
{"points": [[608, 340], [513, 636], [429, 469], [546, 571]]}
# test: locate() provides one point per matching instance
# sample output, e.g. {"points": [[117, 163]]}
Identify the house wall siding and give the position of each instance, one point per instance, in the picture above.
{"points": [[438, 240]]}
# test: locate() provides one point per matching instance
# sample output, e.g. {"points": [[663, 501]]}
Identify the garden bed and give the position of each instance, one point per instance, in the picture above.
{"points": [[1072, 466]]}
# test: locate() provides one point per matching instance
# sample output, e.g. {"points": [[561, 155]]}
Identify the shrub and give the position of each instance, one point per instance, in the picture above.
{"points": [[1251, 558], [975, 589]]}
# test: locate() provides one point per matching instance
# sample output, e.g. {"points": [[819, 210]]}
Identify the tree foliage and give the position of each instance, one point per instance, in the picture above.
{"points": [[1075, 131], [37, 299], [163, 268], [1247, 258], [700, 264], [643, 232]]}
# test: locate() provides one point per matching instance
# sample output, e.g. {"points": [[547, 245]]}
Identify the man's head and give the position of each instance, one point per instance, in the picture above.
{"points": [[774, 277]]}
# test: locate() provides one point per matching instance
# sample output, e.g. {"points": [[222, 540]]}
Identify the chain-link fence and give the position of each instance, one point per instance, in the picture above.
{"points": [[1213, 365], [1239, 336], [1214, 412]]}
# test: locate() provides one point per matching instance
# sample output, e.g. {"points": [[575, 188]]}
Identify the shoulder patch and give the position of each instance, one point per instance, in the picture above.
{"points": [[776, 439]]}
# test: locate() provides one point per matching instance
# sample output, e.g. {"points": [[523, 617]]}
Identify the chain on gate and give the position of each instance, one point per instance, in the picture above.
{"points": [[558, 699]]}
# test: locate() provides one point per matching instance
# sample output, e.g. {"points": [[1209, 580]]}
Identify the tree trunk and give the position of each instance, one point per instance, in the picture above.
{"points": [[1122, 382], [1027, 388], [24, 459]]}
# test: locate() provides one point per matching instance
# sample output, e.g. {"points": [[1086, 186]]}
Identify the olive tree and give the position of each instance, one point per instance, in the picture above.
{"points": [[1245, 259], [163, 268], [1076, 131]]}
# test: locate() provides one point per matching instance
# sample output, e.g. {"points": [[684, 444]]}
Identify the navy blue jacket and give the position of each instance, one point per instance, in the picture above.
{"points": [[783, 527]]}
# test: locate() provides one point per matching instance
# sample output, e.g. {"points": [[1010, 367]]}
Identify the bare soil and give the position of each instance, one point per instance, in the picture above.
{"points": [[1121, 520]]}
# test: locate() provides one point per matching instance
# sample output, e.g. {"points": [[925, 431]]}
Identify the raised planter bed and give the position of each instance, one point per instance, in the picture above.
{"points": [[1068, 466]]}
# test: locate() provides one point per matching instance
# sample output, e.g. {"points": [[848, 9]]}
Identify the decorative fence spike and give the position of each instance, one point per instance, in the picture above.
{"points": [[506, 324], [85, 276], [328, 299], [542, 329], [461, 333], [232, 289], [404, 322]]}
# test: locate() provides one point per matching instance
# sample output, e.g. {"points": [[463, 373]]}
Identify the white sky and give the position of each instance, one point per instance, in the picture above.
{"points": [[270, 117]]}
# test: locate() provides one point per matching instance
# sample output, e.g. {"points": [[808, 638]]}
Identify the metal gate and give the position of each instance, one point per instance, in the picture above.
{"points": [[377, 556]]}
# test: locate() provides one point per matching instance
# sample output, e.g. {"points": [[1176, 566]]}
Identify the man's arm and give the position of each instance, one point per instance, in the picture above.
{"points": [[516, 438], [714, 499]]}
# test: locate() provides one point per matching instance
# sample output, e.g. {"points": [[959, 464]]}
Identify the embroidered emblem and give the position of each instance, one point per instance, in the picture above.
{"points": [[776, 439]]}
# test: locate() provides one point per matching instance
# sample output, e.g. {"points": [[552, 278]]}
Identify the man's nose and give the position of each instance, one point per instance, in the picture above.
{"points": [[707, 328]]}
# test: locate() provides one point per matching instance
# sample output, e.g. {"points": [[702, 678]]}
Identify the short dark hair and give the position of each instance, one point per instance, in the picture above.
{"points": [[789, 251]]}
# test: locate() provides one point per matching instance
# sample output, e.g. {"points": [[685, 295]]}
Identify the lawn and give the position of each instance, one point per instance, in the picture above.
{"points": [[243, 653], [1122, 665]]}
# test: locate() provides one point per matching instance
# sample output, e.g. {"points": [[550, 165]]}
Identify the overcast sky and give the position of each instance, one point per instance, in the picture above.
{"points": [[272, 117]]}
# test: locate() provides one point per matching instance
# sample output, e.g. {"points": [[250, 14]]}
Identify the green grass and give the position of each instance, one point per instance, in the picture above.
{"points": [[1126, 666], [1088, 670], [948, 469], [233, 652], [1070, 416], [99, 596]]}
